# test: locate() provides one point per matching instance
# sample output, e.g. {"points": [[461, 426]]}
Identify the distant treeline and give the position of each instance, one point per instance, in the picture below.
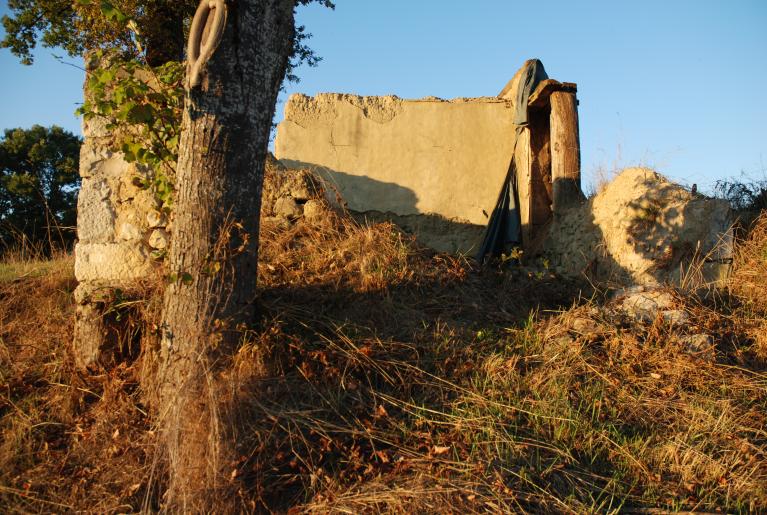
{"points": [[39, 182]]}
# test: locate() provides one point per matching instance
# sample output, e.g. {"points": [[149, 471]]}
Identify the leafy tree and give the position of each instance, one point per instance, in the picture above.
{"points": [[78, 26], [38, 184], [81, 25]]}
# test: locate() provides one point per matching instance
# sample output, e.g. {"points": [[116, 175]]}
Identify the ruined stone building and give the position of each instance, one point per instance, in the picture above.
{"points": [[437, 167], [480, 176], [477, 176]]}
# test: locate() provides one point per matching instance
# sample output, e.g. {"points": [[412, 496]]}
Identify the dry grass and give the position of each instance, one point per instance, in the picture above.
{"points": [[68, 440], [385, 378], [26, 261], [750, 274]]}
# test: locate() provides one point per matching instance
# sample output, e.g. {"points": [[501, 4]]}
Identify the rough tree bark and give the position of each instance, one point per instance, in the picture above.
{"points": [[214, 249]]}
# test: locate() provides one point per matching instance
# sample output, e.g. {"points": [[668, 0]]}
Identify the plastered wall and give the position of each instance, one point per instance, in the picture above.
{"points": [[446, 160]]}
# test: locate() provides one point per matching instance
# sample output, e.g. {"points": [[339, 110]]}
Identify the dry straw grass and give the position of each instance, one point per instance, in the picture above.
{"points": [[68, 440], [386, 378]]}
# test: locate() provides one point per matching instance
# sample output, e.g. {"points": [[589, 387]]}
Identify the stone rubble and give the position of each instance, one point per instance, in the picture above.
{"points": [[643, 229], [290, 194], [701, 345]]}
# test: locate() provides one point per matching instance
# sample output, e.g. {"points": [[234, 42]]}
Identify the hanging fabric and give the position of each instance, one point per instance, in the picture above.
{"points": [[504, 229]]}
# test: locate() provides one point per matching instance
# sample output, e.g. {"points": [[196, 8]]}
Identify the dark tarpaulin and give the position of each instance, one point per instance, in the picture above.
{"points": [[504, 230]]}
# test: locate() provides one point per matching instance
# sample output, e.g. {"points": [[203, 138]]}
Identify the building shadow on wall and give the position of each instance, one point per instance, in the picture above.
{"points": [[373, 201]]}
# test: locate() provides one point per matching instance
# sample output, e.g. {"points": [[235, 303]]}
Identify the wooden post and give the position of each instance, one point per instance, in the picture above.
{"points": [[524, 183], [539, 120], [565, 152]]}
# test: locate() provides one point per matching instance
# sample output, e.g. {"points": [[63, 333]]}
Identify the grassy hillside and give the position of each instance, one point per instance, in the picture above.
{"points": [[400, 380]]}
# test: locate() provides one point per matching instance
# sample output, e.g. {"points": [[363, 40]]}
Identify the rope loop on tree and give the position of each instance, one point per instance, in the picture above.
{"points": [[204, 36]]}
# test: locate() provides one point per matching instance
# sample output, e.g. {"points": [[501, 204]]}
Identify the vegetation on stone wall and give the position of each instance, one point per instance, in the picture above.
{"points": [[142, 105]]}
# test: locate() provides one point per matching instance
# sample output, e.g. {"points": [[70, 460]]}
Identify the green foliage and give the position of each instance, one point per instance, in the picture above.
{"points": [[80, 25], [143, 107], [38, 184], [51, 21]]}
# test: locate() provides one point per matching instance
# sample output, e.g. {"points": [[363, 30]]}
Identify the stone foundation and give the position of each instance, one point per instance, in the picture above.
{"points": [[120, 232]]}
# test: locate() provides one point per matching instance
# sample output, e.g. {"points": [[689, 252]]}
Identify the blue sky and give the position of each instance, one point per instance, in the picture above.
{"points": [[675, 84]]}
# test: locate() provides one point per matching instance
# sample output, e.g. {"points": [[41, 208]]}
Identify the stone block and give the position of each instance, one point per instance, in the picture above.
{"points": [[114, 168], [90, 335], [314, 210], [645, 304], [129, 183], [95, 212], [128, 231], [96, 127], [159, 239], [156, 218], [92, 154], [302, 186], [287, 207], [701, 345], [130, 224], [104, 262], [144, 202]]}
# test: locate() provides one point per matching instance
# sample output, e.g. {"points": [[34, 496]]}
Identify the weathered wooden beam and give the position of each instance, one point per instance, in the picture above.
{"points": [[540, 97], [524, 183], [539, 121], [565, 151]]}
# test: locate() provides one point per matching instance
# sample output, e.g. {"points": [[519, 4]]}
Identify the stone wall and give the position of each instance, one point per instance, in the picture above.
{"points": [[118, 221], [395, 158], [119, 228]]}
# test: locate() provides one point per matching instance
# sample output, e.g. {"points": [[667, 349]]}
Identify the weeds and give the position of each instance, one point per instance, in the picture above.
{"points": [[743, 193], [382, 377]]}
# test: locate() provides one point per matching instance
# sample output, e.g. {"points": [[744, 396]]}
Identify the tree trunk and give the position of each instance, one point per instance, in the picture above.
{"points": [[214, 248]]}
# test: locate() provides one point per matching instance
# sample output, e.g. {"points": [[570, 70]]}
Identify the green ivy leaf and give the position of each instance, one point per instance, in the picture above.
{"points": [[113, 13], [141, 113]]}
